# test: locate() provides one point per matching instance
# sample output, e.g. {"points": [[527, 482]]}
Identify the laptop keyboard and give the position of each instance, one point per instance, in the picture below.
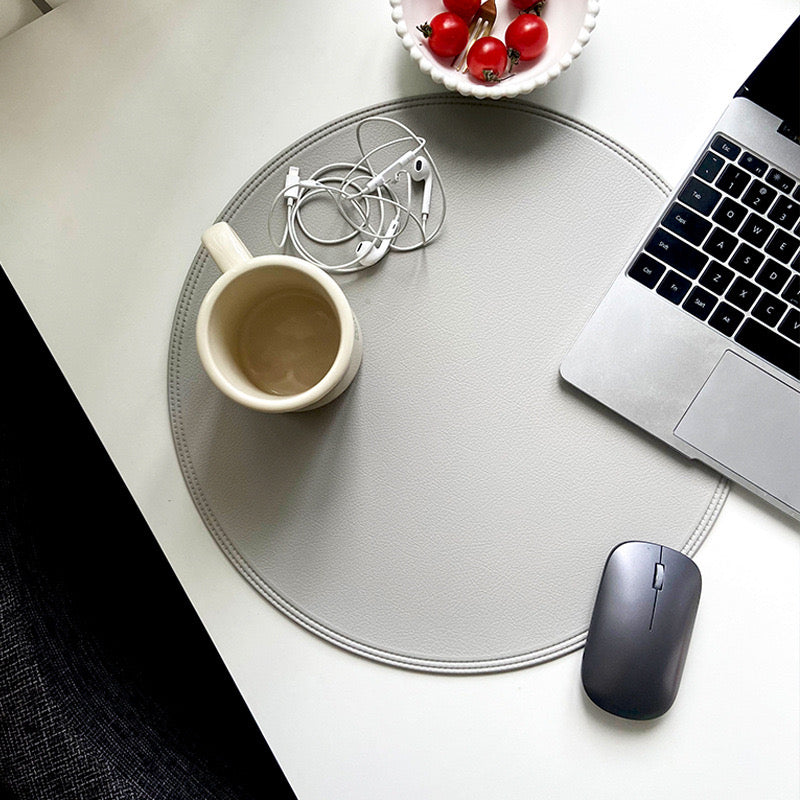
{"points": [[727, 251]]}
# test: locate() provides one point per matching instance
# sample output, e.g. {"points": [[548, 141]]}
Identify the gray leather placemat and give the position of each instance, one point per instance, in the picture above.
{"points": [[453, 510]]}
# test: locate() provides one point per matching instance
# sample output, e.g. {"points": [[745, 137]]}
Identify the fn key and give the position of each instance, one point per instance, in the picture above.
{"points": [[646, 270]]}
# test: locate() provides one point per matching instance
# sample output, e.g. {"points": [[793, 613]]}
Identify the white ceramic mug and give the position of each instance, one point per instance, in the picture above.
{"points": [[275, 333]]}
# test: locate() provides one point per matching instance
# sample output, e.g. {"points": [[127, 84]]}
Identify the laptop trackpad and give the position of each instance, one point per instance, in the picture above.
{"points": [[750, 422]]}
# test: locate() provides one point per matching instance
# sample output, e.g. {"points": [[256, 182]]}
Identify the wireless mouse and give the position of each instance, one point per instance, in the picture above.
{"points": [[640, 630]]}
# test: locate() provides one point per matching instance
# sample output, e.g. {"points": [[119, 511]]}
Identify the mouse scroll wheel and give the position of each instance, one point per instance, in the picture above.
{"points": [[658, 577]]}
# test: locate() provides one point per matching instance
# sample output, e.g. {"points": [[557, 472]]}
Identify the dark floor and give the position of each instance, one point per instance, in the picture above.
{"points": [[109, 686]]}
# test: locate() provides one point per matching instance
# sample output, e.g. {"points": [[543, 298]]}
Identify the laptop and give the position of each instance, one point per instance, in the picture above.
{"points": [[698, 338]]}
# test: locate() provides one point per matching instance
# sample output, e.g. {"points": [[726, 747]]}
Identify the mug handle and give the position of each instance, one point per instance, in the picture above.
{"points": [[225, 246]]}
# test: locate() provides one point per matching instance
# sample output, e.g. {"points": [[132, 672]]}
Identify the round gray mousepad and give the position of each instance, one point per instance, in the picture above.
{"points": [[452, 511]]}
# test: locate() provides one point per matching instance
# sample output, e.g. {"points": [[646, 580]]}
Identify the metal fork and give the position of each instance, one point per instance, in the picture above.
{"points": [[480, 25]]}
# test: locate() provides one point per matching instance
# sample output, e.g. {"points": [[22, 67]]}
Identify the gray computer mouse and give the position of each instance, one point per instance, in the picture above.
{"points": [[640, 630]]}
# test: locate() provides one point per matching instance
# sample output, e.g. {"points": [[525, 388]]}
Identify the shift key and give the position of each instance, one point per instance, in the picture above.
{"points": [[679, 255]]}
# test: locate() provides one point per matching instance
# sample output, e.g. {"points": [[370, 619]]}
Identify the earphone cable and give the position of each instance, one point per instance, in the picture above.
{"points": [[357, 205]]}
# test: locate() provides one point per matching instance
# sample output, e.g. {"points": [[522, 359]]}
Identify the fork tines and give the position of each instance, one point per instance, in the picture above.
{"points": [[480, 25]]}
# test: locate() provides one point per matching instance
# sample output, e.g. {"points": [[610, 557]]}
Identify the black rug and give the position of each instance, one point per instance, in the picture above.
{"points": [[109, 685]]}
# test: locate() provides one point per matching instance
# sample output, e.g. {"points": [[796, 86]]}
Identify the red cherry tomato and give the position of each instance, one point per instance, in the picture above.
{"points": [[464, 8], [487, 59], [526, 37], [446, 33]]}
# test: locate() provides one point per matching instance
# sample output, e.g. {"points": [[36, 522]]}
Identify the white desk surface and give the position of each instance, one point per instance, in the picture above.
{"points": [[126, 127]]}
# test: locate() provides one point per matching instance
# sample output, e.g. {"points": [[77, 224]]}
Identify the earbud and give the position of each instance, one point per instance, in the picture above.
{"points": [[370, 253], [421, 171]]}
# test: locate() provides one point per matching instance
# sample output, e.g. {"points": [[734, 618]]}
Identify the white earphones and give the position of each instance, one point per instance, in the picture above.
{"points": [[370, 253], [364, 198]]}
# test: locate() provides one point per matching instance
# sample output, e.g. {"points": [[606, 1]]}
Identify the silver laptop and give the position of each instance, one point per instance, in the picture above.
{"points": [[698, 339]]}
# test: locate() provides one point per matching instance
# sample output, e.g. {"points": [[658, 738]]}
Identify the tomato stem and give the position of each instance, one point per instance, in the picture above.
{"points": [[536, 8], [425, 29]]}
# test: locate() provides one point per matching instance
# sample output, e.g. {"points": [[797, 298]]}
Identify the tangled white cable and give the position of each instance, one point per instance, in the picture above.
{"points": [[368, 201]]}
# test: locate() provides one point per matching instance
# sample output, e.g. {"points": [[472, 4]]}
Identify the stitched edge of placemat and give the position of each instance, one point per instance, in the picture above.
{"points": [[177, 341]]}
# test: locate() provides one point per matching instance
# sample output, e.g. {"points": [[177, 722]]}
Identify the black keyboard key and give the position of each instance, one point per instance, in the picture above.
{"points": [[770, 346], [729, 214], [673, 287], [773, 276], [769, 309], [785, 212], [716, 277], [759, 196], [791, 325], [722, 145], [646, 270], [756, 230], [780, 181], [709, 166], [742, 293], [746, 260], [700, 302], [782, 246], [675, 252], [686, 223], [726, 319], [753, 164], [792, 292], [720, 244], [733, 180], [699, 196]]}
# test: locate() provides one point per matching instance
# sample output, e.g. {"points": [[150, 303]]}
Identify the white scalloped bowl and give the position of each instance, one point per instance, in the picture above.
{"points": [[569, 22]]}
